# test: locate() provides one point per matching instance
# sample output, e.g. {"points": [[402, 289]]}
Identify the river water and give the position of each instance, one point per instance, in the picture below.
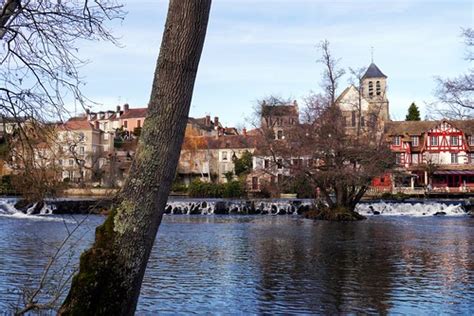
{"points": [[270, 264]]}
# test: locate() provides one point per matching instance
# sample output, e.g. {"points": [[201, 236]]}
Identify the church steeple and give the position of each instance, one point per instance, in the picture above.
{"points": [[374, 90], [374, 83]]}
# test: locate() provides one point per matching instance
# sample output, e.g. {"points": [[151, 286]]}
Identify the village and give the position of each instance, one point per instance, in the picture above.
{"points": [[94, 150]]}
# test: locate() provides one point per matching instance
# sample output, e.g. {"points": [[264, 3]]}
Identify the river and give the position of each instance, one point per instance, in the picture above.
{"points": [[270, 264]]}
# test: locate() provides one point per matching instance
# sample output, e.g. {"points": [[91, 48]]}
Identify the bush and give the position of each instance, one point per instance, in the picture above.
{"points": [[233, 189], [201, 189], [179, 187]]}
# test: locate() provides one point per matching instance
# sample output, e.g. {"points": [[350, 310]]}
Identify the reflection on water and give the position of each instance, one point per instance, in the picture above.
{"points": [[265, 264]]}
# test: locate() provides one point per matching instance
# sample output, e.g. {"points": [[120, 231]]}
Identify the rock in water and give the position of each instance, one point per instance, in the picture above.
{"points": [[38, 207], [23, 205], [439, 214]]}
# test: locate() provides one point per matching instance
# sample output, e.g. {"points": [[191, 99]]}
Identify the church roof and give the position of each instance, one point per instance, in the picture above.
{"points": [[373, 72]]}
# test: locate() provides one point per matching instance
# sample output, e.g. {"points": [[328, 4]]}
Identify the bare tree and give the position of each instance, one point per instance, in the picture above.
{"points": [[326, 153], [456, 94], [331, 73], [111, 272], [39, 61]]}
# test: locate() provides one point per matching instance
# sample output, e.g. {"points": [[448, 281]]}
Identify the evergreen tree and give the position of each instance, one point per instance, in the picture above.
{"points": [[413, 113]]}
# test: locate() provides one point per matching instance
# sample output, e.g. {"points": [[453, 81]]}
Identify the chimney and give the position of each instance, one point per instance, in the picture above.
{"points": [[208, 120], [125, 107], [118, 109], [216, 121], [244, 131]]}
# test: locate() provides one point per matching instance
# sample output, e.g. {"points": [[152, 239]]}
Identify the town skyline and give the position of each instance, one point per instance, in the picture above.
{"points": [[237, 68]]}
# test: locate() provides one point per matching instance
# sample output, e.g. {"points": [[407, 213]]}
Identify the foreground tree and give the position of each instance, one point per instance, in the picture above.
{"points": [[413, 113], [111, 272]]}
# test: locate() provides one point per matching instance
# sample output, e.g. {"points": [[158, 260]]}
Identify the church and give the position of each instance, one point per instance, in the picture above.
{"points": [[366, 105]]}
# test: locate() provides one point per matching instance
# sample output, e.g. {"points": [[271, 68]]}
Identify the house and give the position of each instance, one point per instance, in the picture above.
{"points": [[279, 117], [81, 149], [211, 158], [435, 153]]}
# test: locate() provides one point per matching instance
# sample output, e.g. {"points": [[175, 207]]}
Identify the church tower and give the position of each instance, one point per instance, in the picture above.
{"points": [[374, 90]]}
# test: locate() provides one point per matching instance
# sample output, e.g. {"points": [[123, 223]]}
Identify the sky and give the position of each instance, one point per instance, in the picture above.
{"points": [[257, 48]]}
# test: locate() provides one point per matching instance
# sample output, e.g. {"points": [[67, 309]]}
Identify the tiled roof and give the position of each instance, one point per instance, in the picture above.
{"points": [[420, 127], [134, 113], [373, 72], [222, 142], [77, 123]]}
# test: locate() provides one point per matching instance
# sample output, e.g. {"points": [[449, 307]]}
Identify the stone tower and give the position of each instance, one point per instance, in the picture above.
{"points": [[374, 90]]}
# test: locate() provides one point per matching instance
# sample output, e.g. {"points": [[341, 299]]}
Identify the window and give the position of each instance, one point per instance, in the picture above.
{"points": [[396, 140], [266, 163], [71, 162], [280, 135], [353, 118], [81, 137], [371, 88], [471, 158], [139, 123], [434, 140], [415, 159], [454, 158], [254, 183], [279, 164], [398, 158], [125, 124], [362, 121], [378, 89], [81, 150], [415, 141], [471, 140], [224, 156], [454, 140], [60, 162], [106, 136]]}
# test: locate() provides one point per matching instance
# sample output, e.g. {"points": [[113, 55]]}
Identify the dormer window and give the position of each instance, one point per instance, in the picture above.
{"points": [[378, 89], [371, 88], [415, 141]]}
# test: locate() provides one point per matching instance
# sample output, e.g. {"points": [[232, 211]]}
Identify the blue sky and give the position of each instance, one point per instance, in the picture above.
{"points": [[256, 48]]}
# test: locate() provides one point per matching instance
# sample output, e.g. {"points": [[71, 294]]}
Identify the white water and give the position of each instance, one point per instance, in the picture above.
{"points": [[271, 207], [215, 206], [409, 209], [7, 208]]}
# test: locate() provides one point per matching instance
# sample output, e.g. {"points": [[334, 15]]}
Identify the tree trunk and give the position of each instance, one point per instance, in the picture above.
{"points": [[111, 272]]}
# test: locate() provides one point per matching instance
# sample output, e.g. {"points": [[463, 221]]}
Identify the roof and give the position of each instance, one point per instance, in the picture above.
{"points": [[279, 110], [77, 123], [420, 127], [134, 113], [373, 72], [222, 142]]}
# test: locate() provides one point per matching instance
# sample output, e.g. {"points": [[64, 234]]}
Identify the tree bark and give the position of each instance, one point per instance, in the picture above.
{"points": [[111, 272]]}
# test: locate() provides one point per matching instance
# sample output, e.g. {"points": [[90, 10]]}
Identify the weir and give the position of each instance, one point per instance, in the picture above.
{"points": [[241, 207]]}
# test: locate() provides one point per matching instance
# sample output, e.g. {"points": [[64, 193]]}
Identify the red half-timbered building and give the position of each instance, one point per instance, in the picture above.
{"points": [[434, 154]]}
